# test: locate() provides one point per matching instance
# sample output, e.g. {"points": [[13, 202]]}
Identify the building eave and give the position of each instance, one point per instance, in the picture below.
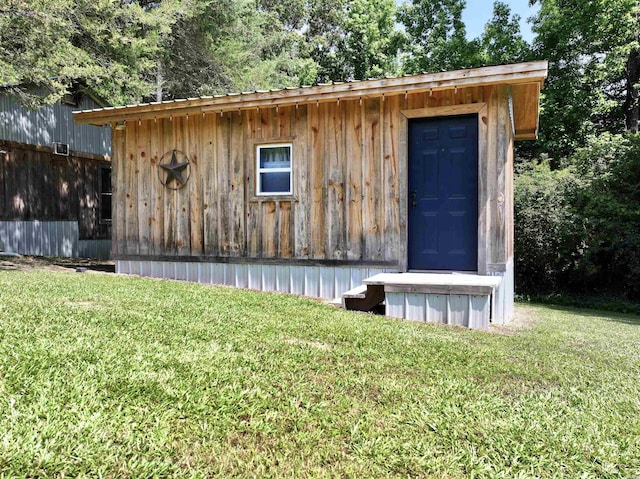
{"points": [[515, 75]]}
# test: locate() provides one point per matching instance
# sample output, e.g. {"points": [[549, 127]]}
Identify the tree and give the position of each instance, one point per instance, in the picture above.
{"points": [[501, 42], [371, 43], [594, 70], [436, 36], [111, 45]]}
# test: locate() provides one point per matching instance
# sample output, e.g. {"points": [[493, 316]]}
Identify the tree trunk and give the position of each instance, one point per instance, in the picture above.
{"points": [[632, 102], [159, 81]]}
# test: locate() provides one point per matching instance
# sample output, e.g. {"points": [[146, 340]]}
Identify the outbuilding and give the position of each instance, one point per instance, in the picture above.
{"points": [[316, 190]]}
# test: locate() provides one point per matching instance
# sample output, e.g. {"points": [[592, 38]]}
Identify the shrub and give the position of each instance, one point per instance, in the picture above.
{"points": [[578, 228]]}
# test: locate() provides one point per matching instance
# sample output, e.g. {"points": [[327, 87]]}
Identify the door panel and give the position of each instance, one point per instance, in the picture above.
{"points": [[443, 193]]}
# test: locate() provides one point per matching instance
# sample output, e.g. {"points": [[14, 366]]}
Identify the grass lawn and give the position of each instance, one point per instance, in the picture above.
{"points": [[107, 376]]}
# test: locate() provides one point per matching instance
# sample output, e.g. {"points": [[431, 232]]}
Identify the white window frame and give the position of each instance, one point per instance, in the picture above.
{"points": [[259, 170]]}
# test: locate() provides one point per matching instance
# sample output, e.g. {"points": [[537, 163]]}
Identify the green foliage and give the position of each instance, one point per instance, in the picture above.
{"points": [[110, 45], [501, 42], [436, 36], [111, 376], [609, 202], [588, 44], [546, 231], [578, 228]]}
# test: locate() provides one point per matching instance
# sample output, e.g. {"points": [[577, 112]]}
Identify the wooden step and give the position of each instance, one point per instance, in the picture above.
{"points": [[363, 298], [359, 292]]}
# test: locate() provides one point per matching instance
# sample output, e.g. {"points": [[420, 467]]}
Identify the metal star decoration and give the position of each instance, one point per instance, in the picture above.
{"points": [[174, 170]]}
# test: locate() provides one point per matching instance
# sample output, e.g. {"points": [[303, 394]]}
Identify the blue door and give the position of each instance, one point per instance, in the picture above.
{"points": [[443, 193]]}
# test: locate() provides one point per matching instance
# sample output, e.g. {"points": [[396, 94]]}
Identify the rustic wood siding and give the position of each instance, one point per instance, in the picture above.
{"points": [[348, 180], [38, 185]]}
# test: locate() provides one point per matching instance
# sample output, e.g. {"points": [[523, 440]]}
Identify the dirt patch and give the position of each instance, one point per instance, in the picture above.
{"points": [[524, 317], [41, 263]]}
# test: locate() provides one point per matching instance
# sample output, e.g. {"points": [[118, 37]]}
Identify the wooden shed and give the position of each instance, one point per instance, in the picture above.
{"points": [[315, 190]]}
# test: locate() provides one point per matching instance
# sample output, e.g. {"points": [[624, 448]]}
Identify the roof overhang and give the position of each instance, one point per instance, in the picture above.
{"points": [[524, 79]]}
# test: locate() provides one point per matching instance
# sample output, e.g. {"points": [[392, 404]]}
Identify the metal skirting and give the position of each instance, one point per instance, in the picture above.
{"points": [[471, 311], [50, 238], [40, 238], [504, 296], [325, 282], [96, 249]]}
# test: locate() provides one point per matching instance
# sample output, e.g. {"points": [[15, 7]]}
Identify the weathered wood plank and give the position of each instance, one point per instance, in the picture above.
{"points": [[353, 192], [156, 215], [302, 149], [498, 236], [285, 249], [183, 210], [334, 154], [269, 228], [169, 196], [223, 182], [131, 185], [195, 125], [144, 188], [317, 181], [391, 179], [209, 167], [118, 153], [254, 209], [237, 187], [372, 188]]}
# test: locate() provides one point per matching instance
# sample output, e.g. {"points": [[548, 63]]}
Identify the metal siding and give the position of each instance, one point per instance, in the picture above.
{"points": [[311, 281], [504, 296], [394, 305], [283, 279], [255, 276], [343, 281], [268, 277], [478, 312], [415, 306], [297, 280], [98, 249], [41, 238], [327, 282], [458, 309], [437, 308], [52, 123]]}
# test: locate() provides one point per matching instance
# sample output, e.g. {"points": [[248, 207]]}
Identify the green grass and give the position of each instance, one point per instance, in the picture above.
{"points": [[106, 376]]}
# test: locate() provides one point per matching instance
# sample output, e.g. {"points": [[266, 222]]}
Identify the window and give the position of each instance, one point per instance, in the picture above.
{"points": [[105, 194], [274, 170]]}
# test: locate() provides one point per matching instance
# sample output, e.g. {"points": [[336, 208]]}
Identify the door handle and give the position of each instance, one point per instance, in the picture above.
{"points": [[414, 198]]}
